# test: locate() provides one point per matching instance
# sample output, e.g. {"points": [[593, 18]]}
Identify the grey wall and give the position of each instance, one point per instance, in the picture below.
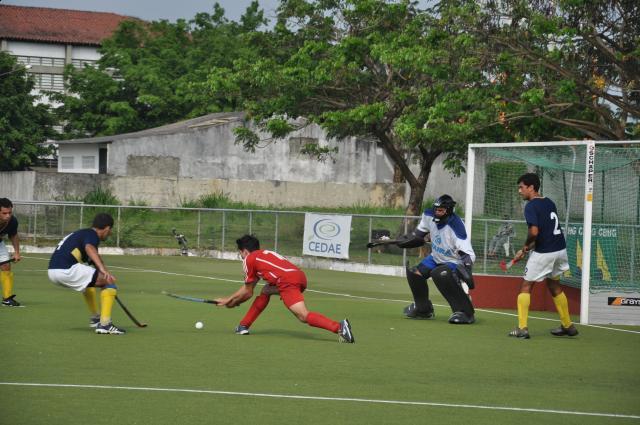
{"points": [[211, 153]]}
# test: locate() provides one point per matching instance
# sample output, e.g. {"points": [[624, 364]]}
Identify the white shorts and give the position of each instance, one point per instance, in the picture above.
{"points": [[78, 277], [4, 253], [547, 264]]}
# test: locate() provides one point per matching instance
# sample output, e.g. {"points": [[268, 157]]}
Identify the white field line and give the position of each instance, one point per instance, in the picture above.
{"points": [[338, 294], [320, 398]]}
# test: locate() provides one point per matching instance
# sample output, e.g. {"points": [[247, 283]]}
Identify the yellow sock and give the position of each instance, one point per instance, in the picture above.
{"points": [[524, 300], [91, 299], [6, 277], [562, 305], [107, 296]]}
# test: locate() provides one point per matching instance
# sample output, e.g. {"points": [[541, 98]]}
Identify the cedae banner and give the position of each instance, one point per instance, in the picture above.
{"points": [[327, 235]]}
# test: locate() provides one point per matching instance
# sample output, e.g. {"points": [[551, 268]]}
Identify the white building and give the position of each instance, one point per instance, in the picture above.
{"points": [[49, 39]]}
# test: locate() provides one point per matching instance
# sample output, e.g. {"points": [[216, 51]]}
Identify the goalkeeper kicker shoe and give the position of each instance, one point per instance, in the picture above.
{"points": [[242, 330], [109, 329], [520, 333], [411, 312], [344, 333], [562, 331]]}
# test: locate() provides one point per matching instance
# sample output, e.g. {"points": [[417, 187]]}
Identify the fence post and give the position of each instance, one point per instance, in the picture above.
{"points": [[64, 216], [275, 239], [35, 224], [369, 239], [404, 250], [250, 221], [224, 224], [118, 230], [81, 215], [198, 231], [484, 256]]}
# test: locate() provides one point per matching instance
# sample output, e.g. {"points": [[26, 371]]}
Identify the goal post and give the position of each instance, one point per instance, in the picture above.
{"points": [[596, 188]]}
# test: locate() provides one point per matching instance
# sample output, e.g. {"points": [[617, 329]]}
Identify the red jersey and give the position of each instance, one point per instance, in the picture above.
{"points": [[272, 267]]}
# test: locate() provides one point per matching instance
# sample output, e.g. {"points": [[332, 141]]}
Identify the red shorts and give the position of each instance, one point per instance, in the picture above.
{"points": [[291, 293]]}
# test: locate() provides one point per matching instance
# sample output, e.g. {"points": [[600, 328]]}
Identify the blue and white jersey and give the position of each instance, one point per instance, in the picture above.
{"points": [[446, 239], [71, 250], [542, 213]]}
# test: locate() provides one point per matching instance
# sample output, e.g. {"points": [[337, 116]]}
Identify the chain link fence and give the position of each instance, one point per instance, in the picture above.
{"points": [[44, 224]]}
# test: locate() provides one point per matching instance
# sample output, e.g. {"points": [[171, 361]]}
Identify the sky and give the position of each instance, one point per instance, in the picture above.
{"points": [[153, 10]]}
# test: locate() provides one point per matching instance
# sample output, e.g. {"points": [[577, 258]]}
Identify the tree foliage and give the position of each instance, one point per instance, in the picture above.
{"points": [[567, 69], [151, 74], [411, 80], [24, 126]]}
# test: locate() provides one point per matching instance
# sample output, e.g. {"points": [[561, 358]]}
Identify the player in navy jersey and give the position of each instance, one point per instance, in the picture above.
{"points": [[9, 227], [449, 264], [547, 259], [281, 278], [67, 268]]}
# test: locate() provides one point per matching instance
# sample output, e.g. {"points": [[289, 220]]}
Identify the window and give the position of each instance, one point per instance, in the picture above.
{"points": [[80, 63], [41, 61], [67, 162], [89, 161], [53, 82]]}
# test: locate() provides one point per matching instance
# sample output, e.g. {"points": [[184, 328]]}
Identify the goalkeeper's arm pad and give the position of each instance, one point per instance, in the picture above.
{"points": [[412, 240]]}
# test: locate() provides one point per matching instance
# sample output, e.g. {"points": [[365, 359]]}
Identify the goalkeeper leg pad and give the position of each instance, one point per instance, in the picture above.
{"points": [[448, 285], [420, 291]]}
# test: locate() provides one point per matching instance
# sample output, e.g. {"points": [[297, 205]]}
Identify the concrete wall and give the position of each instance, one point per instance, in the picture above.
{"points": [[173, 191], [163, 191], [18, 185], [211, 153]]}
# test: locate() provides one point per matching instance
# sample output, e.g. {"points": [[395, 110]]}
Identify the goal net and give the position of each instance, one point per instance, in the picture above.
{"points": [[596, 188]]}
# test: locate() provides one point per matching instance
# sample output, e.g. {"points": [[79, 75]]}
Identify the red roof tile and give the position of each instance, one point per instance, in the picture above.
{"points": [[57, 25]]}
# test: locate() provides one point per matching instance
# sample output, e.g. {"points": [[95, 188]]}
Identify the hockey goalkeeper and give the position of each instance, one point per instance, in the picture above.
{"points": [[449, 264]]}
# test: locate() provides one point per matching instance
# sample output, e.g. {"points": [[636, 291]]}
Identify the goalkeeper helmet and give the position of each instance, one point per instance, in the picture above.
{"points": [[446, 202]]}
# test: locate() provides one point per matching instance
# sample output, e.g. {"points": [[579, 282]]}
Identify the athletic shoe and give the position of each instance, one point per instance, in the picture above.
{"points": [[345, 334], [242, 330], [562, 331], [410, 312], [110, 329], [10, 302], [520, 333], [461, 318], [94, 321]]}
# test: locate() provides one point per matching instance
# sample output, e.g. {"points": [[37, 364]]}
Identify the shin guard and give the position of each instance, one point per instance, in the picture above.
{"points": [[447, 283], [420, 291]]}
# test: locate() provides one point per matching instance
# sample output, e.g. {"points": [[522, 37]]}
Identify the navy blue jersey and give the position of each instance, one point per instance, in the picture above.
{"points": [[71, 250], [542, 212], [10, 228]]}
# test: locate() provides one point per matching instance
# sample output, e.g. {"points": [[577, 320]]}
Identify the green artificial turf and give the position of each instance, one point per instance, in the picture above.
{"points": [[399, 371]]}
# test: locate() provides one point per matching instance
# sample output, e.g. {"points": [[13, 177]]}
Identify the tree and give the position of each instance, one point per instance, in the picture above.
{"points": [[151, 74], [411, 80], [23, 124], [567, 69]]}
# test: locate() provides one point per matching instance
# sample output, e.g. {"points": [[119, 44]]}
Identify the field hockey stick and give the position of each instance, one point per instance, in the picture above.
{"points": [[504, 266], [194, 299], [128, 313], [379, 242], [10, 260]]}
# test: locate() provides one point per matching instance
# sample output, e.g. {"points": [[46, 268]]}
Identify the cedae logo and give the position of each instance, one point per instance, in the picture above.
{"points": [[326, 229]]}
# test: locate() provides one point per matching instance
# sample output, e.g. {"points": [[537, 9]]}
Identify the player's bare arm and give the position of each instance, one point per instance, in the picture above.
{"points": [[241, 295], [532, 234], [15, 241]]}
